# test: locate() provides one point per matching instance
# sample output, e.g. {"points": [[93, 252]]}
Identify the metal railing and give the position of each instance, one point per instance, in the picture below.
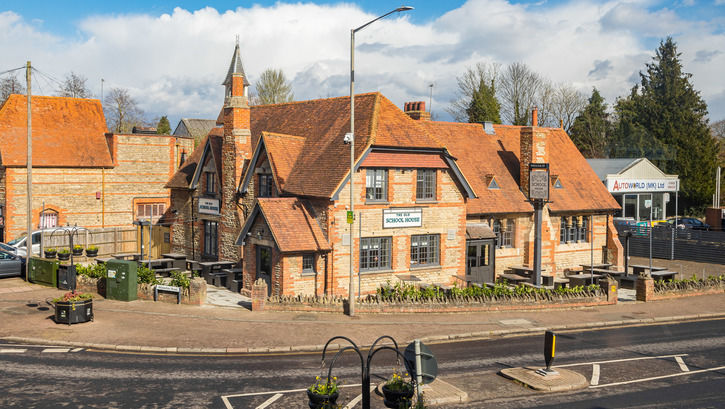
{"points": [[675, 243]]}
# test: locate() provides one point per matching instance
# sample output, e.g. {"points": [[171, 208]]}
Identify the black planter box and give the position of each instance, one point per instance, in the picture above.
{"points": [[77, 252], [91, 253], [63, 256], [73, 312]]}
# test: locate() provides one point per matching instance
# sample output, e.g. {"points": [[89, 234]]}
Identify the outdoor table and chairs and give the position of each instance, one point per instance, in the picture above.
{"points": [[583, 279], [663, 275], [179, 260], [514, 278], [127, 256], [638, 269], [211, 269], [605, 271], [588, 267]]}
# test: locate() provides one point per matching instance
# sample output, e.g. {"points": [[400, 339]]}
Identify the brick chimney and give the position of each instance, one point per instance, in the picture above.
{"points": [[416, 110], [534, 149], [535, 117], [236, 147]]}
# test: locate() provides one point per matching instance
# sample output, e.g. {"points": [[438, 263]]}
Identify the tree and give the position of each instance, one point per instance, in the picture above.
{"points": [[484, 106], [121, 111], [592, 128], [519, 89], [567, 104], [667, 111], [74, 86], [10, 85], [163, 127], [273, 88], [468, 84]]}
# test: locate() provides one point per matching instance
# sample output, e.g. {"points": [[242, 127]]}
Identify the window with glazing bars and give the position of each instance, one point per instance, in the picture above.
{"points": [[211, 241], [424, 249], [308, 263], [425, 188], [376, 185], [375, 253], [583, 235], [266, 185], [210, 182]]}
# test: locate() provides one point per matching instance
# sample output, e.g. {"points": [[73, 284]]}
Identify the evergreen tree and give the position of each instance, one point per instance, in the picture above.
{"points": [[484, 106], [669, 116], [592, 128], [163, 127]]}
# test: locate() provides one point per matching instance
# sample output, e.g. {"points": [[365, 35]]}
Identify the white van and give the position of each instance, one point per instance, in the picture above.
{"points": [[20, 245]]}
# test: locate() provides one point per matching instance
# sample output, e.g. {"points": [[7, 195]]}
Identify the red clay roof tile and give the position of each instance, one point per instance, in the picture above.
{"points": [[293, 228], [66, 132]]}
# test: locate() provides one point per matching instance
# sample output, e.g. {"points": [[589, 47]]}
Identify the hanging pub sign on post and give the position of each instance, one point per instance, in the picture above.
{"points": [[539, 181]]}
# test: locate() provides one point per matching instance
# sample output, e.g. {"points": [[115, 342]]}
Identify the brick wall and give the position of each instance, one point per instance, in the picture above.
{"points": [[143, 165]]}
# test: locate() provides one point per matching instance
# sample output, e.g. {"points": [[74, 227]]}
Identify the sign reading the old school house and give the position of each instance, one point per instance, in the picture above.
{"points": [[208, 206], [394, 218]]}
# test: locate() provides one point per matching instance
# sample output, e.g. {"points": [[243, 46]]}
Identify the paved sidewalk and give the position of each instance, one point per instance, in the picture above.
{"points": [[227, 327]]}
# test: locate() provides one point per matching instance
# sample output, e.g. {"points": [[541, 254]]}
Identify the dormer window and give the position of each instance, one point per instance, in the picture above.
{"points": [[493, 184], [376, 185], [425, 184], [266, 185]]}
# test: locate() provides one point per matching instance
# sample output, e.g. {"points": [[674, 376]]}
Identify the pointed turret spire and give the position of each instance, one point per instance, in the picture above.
{"points": [[236, 67]]}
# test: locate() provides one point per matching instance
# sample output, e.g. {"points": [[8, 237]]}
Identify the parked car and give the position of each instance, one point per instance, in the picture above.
{"points": [[8, 248], [11, 264], [688, 223], [19, 242]]}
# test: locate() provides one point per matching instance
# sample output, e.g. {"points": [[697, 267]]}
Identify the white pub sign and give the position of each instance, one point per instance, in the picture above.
{"points": [[394, 218], [208, 206]]}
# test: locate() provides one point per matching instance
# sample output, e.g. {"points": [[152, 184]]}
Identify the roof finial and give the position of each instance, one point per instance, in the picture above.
{"points": [[237, 40]]}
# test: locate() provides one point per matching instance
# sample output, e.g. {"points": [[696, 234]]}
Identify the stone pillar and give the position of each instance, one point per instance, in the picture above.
{"points": [[259, 295], [610, 286], [645, 287], [197, 291]]}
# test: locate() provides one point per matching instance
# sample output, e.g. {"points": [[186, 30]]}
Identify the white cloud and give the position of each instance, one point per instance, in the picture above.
{"points": [[174, 63]]}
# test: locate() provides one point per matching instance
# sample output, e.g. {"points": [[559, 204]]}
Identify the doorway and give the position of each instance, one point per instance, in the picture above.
{"points": [[264, 266], [480, 261]]}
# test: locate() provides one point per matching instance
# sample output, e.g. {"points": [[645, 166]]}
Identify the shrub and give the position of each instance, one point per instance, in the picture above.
{"points": [[64, 250], [178, 279], [74, 296], [92, 271], [77, 247], [92, 248], [146, 275]]}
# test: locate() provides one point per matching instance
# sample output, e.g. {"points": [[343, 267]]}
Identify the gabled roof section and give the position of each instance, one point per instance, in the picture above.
{"points": [[187, 175], [480, 155], [291, 225], [195, 128], [67, 132], [282, 152], [235, 67], [323, 160], [604, 167]]}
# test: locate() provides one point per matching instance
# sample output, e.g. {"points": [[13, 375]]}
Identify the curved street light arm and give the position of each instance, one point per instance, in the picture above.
{"points": [[399, 9]]}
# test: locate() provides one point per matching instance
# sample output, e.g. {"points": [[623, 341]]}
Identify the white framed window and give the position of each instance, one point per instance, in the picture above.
{"points": [[150, 211], [48, 219], [376, 185], [425, 250], [504, 230]]}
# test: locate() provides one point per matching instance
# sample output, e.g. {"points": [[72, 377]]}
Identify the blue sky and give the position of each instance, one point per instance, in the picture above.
{"points": [[172, 54]]}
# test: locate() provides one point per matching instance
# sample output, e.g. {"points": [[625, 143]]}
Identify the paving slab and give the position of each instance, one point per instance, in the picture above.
{"points": [[563, 380]]}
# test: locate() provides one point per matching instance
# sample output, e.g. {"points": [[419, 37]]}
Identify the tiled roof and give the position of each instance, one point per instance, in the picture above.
{"points": [[481, 155], [323, 161], [293, 228], [66, 132], [184, 175], [196, 128], [282, 151]]}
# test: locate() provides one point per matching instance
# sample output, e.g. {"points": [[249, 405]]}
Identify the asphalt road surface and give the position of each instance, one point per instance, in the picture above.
{"points": [[655, 366]]}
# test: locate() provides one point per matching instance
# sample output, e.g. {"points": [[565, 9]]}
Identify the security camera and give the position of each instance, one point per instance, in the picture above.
{"points": [[348, 138]]}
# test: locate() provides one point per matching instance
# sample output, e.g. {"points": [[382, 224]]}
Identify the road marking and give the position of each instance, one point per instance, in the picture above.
{"points": [[269, 401], [682, 365], [654, 378], [595, 375], [76, 350], [357, 399], [228, 405], [620, 360], [54, 350], [12, 351]]}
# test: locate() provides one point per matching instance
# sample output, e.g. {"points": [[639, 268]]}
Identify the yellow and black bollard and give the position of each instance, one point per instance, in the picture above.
{"points": [[549, 352]]}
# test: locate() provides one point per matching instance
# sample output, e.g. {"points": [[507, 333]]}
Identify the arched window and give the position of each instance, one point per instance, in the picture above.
{"points": [[48, 219]]}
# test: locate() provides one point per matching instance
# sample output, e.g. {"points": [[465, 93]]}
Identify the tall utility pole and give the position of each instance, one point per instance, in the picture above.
{"points": [[29, 235]]}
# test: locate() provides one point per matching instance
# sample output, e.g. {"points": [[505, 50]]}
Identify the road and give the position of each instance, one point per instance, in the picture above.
{"points": [[686, 362]]}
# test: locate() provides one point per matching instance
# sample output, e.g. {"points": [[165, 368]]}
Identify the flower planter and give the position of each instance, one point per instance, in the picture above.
{"points": [[91, 253], [318, 401], [398, 399], [77, 252], [73, 312], [63, 256], [49, 254]]}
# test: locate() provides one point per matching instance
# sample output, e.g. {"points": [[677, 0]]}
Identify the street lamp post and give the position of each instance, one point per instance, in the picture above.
{"points": [[351, 289]]}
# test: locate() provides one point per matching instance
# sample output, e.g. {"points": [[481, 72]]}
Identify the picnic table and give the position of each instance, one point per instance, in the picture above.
{"points": [[514, 278], [209, 268], [126, 256], [409, 278], [179, 259], [588, 267], [604, 271], [663, 275], [524, 270], [639, 268], [583, 279]]}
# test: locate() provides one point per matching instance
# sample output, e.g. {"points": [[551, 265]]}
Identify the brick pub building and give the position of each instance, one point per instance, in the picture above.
{"points": [[434, 202]]}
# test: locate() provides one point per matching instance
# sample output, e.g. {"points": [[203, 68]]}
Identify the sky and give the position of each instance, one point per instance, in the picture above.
{"points": [[173, 55]]}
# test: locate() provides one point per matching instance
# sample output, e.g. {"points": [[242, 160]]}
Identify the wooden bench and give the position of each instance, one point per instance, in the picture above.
{"points": [[166, 271]]}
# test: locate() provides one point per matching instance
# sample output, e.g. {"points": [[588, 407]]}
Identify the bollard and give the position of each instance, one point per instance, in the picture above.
{"points": [[549, 352]]}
